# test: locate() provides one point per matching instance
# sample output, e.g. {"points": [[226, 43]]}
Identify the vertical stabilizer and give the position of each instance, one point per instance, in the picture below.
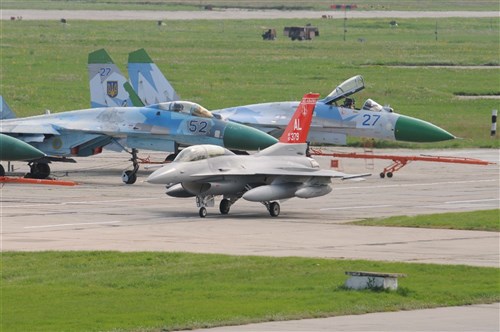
{"points": [[299, 125], [148, 80], [5, 111], [108, 86], [293, 141]]}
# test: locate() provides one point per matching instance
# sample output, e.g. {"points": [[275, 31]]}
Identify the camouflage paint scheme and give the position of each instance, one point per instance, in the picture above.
{"points": [[159, 127], [332, 123]]}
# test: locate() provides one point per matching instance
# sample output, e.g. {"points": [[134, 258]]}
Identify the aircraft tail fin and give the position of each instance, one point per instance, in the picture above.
{"points": [[108, 86], [300, 123], [294, 138], [148, 80], [5, 111]]}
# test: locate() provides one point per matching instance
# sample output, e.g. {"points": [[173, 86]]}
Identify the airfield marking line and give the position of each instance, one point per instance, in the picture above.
{"points": [[416, 184], [75, 224], [80, 202], [474, 201], [356, 207]]}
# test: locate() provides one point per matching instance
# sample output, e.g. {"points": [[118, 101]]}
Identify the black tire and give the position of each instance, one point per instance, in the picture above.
{"points": [[2, 171], [40, 171], [202, 212], [129, 177], [382, 175], [389, 174], [274, 209], [224, 206]]}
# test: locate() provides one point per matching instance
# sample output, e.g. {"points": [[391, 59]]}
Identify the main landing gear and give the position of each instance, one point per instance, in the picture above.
{"points": [[129, 177], [38, 170], [273, 208]]}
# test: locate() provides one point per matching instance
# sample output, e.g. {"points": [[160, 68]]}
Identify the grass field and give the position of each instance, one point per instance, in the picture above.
{"points": [[226, 63], [104, 291], [487, 220]]}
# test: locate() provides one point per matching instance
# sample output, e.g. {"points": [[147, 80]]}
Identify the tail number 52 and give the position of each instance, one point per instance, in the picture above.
{"points": [[196, 126]]}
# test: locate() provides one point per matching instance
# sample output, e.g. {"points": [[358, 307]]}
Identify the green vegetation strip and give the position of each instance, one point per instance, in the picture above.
{"points": [[487, 220], [226, 63], [90, 291]]}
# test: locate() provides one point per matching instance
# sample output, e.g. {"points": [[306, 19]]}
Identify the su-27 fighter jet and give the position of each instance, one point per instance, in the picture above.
{"points": [[160, 127], [279, 172], [332, 122]]}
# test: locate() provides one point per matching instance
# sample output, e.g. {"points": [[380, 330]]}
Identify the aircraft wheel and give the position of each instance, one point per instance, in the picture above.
{"points": [[274, 209], [129, 177], [382, 175], [203, 212], [2, 171], [224, 206], [389, 174], [39, 171]]}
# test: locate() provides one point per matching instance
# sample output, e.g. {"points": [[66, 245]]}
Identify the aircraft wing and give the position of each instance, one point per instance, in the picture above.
{"points": [[29, 129], [298, 172]]}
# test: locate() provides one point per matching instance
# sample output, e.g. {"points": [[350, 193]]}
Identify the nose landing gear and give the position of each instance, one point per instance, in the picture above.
{"points": [[129, 177]]}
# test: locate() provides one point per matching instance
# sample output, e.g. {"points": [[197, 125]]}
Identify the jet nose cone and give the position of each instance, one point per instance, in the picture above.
{"points": [[241, 137], [14, 149], [164, 175], [414, 130]]}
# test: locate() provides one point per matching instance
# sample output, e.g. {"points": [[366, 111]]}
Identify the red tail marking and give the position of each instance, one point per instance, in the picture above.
{"points": [[298, 127]]}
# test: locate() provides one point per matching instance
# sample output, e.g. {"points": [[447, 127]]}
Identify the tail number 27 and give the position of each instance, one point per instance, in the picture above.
{"points": [[370, 119]]}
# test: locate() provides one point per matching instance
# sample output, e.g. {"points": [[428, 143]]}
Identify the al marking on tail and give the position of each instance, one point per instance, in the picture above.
{"points": [[299, 125]]}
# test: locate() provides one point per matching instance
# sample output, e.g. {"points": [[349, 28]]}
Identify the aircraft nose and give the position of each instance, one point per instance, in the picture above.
{"points": [[414, 130], [14, 149], [164, 175], [241, 137]]}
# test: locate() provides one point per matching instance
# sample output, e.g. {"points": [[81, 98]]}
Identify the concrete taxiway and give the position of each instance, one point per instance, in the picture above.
{"points": [[483, 317], [101, 213]]}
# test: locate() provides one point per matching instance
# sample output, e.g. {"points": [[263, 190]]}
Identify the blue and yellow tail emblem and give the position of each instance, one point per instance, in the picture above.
{"points": [[112, 88]]}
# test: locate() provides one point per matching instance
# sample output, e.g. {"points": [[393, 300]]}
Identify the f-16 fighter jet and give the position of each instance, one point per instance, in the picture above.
{"points": [[279, 172], [335, 118], [160, 127]]}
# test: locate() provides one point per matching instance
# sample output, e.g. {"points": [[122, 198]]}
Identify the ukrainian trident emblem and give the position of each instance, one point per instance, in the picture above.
{"points": [[112, 88]]}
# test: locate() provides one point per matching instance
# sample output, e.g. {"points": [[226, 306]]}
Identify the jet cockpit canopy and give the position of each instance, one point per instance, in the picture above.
{"points": [[200, 152], [373, 106], [346, 88], [186, 107]]}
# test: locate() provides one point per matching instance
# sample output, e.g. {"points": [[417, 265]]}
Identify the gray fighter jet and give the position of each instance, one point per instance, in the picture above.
{"points": [[279, 172]]}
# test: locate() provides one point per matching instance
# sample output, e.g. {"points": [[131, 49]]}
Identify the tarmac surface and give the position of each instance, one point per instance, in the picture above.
{"points": [[467, 318], [230, 14], [102, 213]]}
